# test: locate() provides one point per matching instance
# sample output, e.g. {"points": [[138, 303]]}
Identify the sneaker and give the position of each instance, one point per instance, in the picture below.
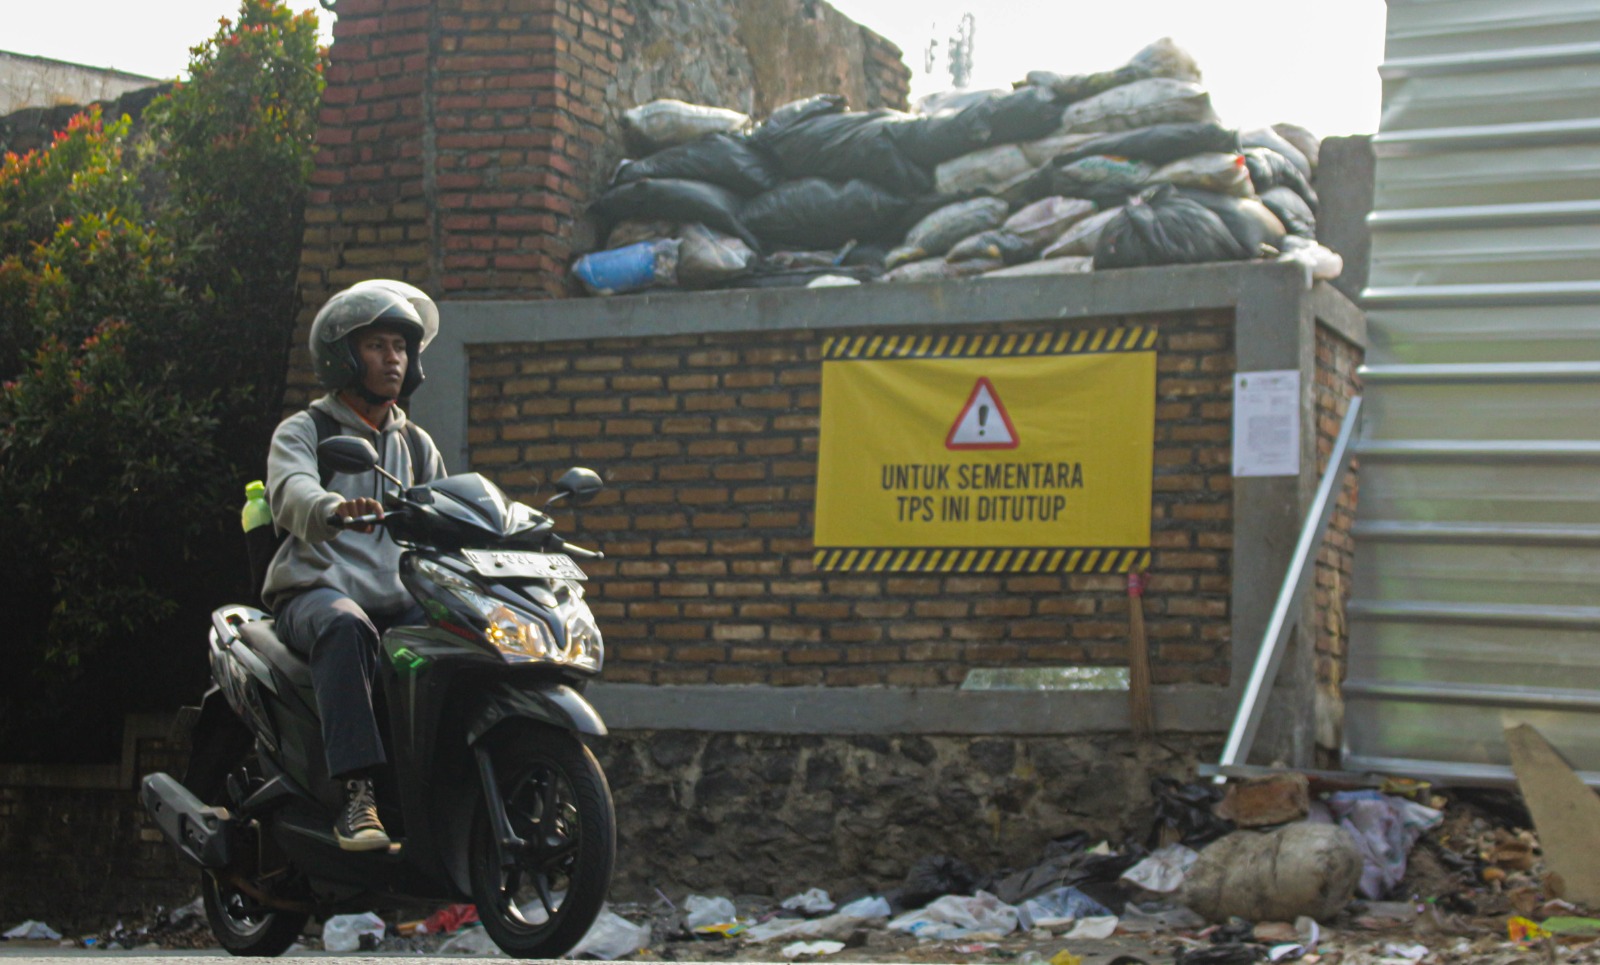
{"points": [[358, 827]]}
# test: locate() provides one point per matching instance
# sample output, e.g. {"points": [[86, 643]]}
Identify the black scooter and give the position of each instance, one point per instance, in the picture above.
{"points": [[490, 796]]}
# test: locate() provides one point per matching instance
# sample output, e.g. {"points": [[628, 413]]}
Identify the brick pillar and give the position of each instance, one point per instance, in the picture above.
{"points": [[456, 144]]}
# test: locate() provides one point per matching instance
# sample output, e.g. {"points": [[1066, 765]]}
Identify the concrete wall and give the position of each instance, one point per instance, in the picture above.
{"points": [[27, 81]]}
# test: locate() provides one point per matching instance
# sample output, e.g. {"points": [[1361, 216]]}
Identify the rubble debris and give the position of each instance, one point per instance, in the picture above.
{"points": [[1566, 813], [1266, 801]]}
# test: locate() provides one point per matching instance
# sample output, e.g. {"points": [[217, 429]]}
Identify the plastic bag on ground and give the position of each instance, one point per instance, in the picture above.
{"points": [[666, 122], [994, 170], [1222, 173], [1140, 104], [703, 911], [1251, 223], [959, 916], [817, 213], [631, 231], [707, 257], [448, 919], [648, 264], [343, 933], [720, 159], [1269, 138], [1163, 871], [1320, 262], [1160, 143], [611, 937], [1093, 927], [1158, 916], [1081, 238], [31, 930], [839, 925], [798, 949], [1292, 210], [1047, 219], [936, 233], [812, 901], [674, 199], [1049, 266], [871, 906], [1160, 59], [1165, 228], [1385, 828], [1058, 907]]}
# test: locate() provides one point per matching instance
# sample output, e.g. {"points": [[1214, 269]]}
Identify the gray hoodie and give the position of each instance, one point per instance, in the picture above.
{"points": [[362, 566]]}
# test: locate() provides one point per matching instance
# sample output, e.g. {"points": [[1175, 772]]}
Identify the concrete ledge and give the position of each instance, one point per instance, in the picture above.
{"points": [[882, 710]]}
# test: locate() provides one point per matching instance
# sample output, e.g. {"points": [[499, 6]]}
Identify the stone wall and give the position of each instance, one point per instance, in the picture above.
{"points": [[40, 82], [35, 127], [710, 445]]}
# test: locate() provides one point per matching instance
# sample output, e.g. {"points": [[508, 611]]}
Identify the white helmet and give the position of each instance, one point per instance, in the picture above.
{"points": [[366, 303]]}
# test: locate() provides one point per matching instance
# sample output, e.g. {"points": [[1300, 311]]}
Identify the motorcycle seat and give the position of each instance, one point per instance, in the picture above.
{"points": [[260, 636]]}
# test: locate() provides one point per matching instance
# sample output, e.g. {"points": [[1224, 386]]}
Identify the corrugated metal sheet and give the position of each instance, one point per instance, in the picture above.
{"points": [[1477, 596]]}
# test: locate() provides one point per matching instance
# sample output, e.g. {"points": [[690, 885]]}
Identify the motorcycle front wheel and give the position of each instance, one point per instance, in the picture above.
{"points": [[543, 900]]}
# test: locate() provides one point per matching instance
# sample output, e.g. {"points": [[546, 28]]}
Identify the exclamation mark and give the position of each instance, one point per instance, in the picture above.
{"points": [[983, 418]]}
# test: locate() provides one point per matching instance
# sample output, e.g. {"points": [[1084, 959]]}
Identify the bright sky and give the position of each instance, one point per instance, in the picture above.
{"points": [[1313, 62]]}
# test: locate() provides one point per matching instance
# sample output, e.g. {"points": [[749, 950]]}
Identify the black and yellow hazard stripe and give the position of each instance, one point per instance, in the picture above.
{"points": [[1131, 338], [982, 560]]}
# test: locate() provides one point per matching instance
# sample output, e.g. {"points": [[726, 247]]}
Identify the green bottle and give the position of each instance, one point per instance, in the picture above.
{"points": [[256, 511]]}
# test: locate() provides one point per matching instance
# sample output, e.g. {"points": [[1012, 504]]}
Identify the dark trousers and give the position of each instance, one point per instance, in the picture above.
{"points": [[341, 640]]}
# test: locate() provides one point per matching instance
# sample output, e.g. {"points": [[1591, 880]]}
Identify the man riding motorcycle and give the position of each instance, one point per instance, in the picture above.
{"points": [[333, 590]]}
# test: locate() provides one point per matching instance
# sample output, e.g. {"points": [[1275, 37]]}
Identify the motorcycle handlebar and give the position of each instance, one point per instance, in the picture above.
{"points": [[341, 522]]}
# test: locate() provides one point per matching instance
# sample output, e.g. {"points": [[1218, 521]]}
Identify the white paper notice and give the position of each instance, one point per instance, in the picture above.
{"points": [[1266, 423]]}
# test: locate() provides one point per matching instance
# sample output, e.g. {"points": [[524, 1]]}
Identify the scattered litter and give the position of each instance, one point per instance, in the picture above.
{"points": [[1163, 872], [813, 902], [799, 949], [1411, 953], [1093, 926], [1057, 908], [31, 930], [611, 937], [349, 933], [704, 912], [959, 916]]}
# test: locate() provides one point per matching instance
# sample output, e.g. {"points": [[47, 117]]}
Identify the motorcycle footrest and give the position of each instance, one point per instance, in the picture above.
{"points": [[198, 831]]}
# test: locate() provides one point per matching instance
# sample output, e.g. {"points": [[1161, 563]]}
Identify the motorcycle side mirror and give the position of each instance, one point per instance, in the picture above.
{"points": [[351, 455], [347, 454], [578, 485]]}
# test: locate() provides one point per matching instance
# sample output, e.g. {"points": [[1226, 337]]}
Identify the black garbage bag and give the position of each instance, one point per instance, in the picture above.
{"points": [[1184, 811], [932, 140], [795, 112], [1250, 222], [1298, 218], [1165, 228], [818, 213], [1025, 114], [1160, 143], [722, 159], [674, 199], [1269, 169], [855, 145], [1105, 180], [934, 877]]}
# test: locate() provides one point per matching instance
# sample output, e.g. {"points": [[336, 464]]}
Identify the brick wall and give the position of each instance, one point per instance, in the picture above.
{"points": [[1338, 380], [709, 447], [460, 140]]}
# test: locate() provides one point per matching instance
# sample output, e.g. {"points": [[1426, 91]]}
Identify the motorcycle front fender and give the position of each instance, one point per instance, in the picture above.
{"points": [[550, 703]]}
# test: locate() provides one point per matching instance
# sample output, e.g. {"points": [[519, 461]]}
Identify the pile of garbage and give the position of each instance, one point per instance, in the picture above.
{"points": [[1277, 869], [1064, 174]]}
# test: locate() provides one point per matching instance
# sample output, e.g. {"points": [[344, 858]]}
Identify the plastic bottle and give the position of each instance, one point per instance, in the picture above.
{"points": [[256, 511]]}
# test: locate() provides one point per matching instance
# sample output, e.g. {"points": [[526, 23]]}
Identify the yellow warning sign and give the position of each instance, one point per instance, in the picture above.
{"points": [[1018, 453]]}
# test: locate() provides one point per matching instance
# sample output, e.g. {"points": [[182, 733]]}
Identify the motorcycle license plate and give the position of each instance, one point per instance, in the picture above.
{"points": [[519, 565]]}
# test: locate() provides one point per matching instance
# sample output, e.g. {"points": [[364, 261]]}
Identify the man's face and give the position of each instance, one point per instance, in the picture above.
{"points": [[383, 354]]}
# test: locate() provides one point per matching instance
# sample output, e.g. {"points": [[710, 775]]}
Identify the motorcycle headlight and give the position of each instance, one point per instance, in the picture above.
{"points": [[585, 648], [511, 632]]}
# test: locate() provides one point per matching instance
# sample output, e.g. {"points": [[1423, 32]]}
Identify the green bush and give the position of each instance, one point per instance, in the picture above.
{"points": [[147, 299]]}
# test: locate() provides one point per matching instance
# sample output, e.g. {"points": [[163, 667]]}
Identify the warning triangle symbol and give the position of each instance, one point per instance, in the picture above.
{"points": [[983, 422]]}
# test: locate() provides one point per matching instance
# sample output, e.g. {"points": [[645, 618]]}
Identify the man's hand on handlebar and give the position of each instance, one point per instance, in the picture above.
{"points": [[353, 508]]}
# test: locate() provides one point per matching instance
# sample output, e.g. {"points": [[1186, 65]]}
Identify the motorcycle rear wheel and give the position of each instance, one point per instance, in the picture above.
{"points": [[559, 804], [239, 922]]}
